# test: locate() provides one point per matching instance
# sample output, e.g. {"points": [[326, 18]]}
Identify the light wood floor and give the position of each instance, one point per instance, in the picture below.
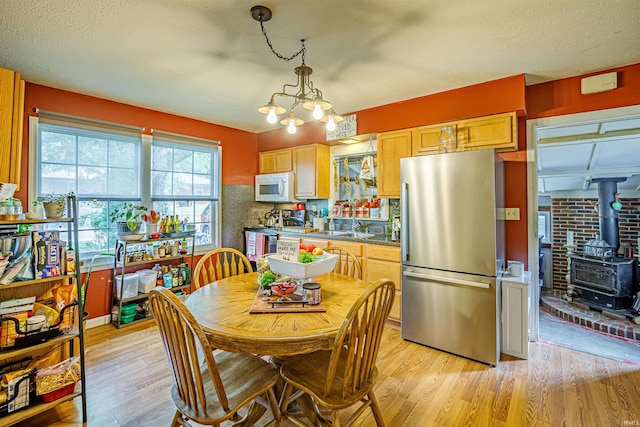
{"points": [[128, 382]]}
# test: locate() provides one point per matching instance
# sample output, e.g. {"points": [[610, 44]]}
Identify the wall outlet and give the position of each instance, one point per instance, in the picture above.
{"points": [[512, 214]]}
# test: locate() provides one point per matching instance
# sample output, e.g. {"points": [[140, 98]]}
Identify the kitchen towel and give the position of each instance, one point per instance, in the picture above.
{"points": [[255, 245], [251, 243]]}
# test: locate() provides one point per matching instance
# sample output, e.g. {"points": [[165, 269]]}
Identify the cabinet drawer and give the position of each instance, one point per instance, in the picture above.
{"points": [[377, 269], [387, 253]]}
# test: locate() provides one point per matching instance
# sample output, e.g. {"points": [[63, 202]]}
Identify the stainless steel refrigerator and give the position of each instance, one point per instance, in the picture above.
{"points": [[452, 252]]}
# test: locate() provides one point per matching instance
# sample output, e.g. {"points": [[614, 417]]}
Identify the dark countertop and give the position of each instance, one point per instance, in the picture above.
{"points": [[378, 239]]}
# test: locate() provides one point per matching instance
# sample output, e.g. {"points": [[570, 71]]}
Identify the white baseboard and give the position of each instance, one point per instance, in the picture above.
{"points": [[98, 321]]}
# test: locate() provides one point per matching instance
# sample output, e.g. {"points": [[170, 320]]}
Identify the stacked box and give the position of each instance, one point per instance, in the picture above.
{"points": [[46, 254]]}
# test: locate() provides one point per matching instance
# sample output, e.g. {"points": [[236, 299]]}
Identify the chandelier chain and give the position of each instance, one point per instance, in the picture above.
{"points": [[302, 50]]}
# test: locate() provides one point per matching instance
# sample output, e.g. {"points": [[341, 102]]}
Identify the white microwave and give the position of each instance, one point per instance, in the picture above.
{"points": [[275, 187]]}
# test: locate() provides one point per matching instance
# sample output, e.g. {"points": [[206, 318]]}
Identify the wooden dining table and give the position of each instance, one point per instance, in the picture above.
{"points": [[222, 309]]}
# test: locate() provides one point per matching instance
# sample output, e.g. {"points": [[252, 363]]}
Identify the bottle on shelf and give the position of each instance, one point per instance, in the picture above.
{"points": [[158, 270], [176, 226], [186, 273], [183, 245]]}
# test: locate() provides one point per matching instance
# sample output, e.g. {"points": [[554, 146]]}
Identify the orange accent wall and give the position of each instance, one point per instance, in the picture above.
{"points": [[561, 97], [239, 148], [497, 96]]}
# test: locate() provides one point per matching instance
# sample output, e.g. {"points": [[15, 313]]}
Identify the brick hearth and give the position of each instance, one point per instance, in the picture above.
{"points": [[552, 302]]}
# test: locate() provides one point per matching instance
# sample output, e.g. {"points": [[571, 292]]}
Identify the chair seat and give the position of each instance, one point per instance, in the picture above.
{"points": [[257, 374], [308, 372]]}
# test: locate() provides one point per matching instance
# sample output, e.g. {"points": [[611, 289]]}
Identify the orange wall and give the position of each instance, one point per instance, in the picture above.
{"points": [[561, 97], [497, 96], [239, 148], [510, 94], [239, 151]]}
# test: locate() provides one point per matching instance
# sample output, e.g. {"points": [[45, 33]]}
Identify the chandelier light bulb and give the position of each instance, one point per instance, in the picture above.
{"points": [[272, 117], [331, 124], [291, 128], [317, 111]]}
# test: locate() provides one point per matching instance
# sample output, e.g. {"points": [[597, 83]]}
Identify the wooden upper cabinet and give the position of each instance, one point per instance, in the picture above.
{"points": [[392, 146], [311, 165], [426, 139], [275, 161], [499, 131], [11, 119]]}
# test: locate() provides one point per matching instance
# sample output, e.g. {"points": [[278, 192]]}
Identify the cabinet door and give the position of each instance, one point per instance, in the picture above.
{"points": [[276, 161], [426, 139], [11, 113], [498, 131], [392, 146], [384, 262], [311, 166], [378, 269]]}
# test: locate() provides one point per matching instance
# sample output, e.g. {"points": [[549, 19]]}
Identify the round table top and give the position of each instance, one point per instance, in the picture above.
{"points": [[222, 310]]}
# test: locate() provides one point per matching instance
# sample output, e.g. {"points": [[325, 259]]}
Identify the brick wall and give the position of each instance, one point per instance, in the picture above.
{"points": [[579, 216]]}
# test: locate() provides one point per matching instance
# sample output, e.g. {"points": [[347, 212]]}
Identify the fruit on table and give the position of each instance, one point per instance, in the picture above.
{"points": [[303, 247], [317, 251], [284, 288], [310, 247], [305, 257]]}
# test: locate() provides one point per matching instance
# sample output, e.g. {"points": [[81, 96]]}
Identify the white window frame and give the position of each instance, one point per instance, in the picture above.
{"points": [[144, 180]]}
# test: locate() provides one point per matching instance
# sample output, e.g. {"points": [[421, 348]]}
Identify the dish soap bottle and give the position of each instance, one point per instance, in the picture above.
{"points": [[332, 225]]}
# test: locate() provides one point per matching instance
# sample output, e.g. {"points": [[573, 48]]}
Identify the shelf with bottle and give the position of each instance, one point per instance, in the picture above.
{"points": [[172, 257], [40, 333], [146, 251]]}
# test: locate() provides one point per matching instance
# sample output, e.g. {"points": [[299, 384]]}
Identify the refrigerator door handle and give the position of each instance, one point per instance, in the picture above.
{"points": [[404, 220], [447, 280]]}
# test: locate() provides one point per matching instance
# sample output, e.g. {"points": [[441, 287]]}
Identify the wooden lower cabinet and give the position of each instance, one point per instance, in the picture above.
{"points": [[378, 262], [384, 262]]}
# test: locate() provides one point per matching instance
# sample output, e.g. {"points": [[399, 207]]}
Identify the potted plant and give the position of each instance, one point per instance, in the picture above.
{"points": [[54, 204], [151, 219], [128, 218]]}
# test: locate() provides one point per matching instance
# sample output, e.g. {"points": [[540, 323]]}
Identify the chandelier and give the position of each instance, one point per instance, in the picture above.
{"points": [[305, 93]]}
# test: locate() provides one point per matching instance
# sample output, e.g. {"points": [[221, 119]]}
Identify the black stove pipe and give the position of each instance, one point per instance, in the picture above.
{"points": [[609, 231]]}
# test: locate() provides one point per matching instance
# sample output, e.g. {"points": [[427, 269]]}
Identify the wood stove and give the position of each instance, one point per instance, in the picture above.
{"points": [[604, 282]]}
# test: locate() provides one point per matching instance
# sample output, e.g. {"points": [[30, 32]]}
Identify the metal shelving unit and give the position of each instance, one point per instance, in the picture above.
{"points": [[121, 265], [75, 335]]}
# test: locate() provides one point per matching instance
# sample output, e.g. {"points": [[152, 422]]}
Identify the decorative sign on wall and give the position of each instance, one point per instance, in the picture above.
{"points": [[346, 128]]}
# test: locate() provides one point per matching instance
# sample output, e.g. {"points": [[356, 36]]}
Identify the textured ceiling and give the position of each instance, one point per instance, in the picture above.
{"points": [[207, 59]]}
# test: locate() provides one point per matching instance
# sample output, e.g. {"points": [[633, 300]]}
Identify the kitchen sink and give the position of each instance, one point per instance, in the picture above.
{"points": [[356, 234]]}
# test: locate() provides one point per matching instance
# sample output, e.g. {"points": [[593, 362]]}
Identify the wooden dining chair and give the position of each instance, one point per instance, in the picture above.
{"points": [[341, 377], [209, 390], [347, 263], [218, 264]]}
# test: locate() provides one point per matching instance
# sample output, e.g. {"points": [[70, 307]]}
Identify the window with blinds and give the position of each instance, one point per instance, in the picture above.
{"points": [[107, 164]]}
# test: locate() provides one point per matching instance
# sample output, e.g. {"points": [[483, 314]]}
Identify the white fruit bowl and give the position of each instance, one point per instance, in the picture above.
{"points": [[302, 271]]}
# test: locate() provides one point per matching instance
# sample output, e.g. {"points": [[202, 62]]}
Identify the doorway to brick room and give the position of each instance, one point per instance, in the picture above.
{"points": [[586, 223]]}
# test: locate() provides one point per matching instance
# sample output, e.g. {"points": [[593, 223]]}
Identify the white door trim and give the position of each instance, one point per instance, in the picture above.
{"points": [[532, 192]]}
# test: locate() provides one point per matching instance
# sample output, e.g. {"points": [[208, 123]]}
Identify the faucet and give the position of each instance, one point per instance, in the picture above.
{"points": [[355, 225]]}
